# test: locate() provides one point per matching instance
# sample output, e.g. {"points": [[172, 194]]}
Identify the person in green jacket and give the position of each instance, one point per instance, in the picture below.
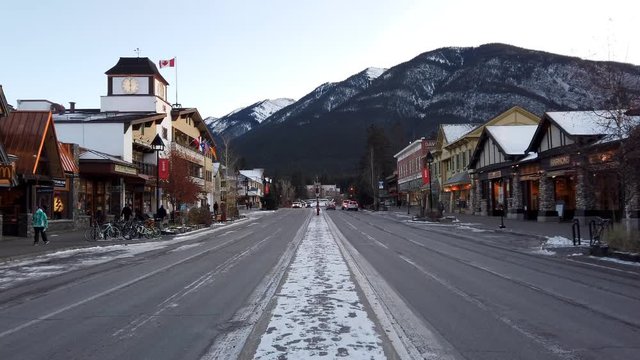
{"points": [[40, 225]]}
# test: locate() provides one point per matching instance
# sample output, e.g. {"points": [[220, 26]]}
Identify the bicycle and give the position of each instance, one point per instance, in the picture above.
{"points": [[105, 232]]}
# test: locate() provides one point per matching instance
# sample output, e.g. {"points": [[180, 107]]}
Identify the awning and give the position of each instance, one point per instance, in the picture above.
{"points": [[458, 179]]}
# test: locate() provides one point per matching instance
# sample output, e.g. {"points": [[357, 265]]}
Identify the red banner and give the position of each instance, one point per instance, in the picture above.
{"points": [[163, 169], [425, 176], [266, 189]]}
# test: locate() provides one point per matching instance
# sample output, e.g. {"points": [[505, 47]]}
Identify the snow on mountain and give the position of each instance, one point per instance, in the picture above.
{"points": [[326, 97], [244, 119], [327, 128]]}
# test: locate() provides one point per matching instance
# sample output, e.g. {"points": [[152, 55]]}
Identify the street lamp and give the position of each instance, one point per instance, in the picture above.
{"points": [[429, 160], [157, 145], [246, 192]]}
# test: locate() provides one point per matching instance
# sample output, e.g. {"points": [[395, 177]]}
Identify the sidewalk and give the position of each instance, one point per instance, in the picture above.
{"points": [[532, 228], [14, 247]]}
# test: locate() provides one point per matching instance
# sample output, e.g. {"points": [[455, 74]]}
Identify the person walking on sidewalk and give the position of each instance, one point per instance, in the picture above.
{"points": [[40, 225]]}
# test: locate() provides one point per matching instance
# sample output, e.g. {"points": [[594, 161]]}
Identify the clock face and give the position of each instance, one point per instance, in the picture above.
{"points": [[130, 85]]}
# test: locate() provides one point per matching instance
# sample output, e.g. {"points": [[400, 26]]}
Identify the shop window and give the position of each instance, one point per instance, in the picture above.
{"points": [[165, 133]]}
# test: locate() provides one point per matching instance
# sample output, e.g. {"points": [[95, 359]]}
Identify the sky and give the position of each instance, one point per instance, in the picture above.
{"points": [[231, 54]]}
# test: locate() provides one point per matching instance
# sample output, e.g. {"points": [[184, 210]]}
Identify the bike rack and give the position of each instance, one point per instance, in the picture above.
{"points": [[592, 229], [576, 231]]}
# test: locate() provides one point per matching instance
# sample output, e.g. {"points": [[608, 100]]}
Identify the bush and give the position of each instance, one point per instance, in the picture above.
{"points": [[623, 240], [200, 216]]}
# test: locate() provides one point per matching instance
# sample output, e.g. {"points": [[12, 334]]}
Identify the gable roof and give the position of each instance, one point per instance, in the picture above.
{"points": [[453, 132], [136, 66], [26, 132], [517, 110], [512, 140], [593, 125]]}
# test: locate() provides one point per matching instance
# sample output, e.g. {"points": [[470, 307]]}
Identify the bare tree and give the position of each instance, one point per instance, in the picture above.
{"points": [[287, 192], [621, 124], [230, 161]]}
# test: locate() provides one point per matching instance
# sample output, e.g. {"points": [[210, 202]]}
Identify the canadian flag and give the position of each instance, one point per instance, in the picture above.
{"points": [[167, 63]]}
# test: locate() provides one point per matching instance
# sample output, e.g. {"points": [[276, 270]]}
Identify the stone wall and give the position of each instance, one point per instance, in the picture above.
{"points": [[547, 211]]}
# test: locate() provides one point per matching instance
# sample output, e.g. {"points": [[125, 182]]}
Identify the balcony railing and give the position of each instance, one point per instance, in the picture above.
{"points": [[146, 169]]}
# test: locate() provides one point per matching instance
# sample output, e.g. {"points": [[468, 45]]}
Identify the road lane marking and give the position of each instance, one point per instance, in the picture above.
{"points": [[549, 345], [172, 301], [109, 291], [406, 331]]}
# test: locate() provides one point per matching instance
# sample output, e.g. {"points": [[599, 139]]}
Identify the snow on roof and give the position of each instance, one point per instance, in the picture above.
{"points": [[453, 132], [255, 174], [513, 139], [596, 122], [530, 156]]}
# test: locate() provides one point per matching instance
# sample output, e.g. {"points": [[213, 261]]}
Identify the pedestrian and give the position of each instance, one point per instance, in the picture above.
{"points": [[215, 208], [162, 213], [40, 225], [126, 212]]}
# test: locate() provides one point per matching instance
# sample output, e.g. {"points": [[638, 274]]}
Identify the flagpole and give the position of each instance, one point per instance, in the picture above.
{"points": [[176, 67]]}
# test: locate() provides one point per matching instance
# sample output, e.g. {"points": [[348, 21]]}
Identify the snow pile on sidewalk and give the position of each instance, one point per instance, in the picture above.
{"points": [[318, 312]]}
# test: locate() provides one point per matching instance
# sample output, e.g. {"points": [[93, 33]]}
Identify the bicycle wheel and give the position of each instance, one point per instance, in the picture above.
{"points": [[113, 233], [92, 234]]}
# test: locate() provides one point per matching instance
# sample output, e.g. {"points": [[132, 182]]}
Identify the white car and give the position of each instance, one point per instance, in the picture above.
{"points": [[296, 205]]}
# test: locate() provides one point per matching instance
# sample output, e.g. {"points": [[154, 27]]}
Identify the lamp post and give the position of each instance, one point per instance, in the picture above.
{"points": [[246, 192], [157, 145], [429, 160]]}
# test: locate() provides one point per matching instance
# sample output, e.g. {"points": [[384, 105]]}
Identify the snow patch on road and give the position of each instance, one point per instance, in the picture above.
{"points": [[318, 312], [14, 272], [617, 261]]}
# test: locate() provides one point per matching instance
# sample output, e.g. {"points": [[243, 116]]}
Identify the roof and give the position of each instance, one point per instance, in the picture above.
{"points": [[108, 117], [4, 106], [95, 155], [26, 134], [135, 66], [512, 139], [453, 132], [585, 123], [68, 164], [595, 124], [255, 174], [200, 124], [4, 112]]}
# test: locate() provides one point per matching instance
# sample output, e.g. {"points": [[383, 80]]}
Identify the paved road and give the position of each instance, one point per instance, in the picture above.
{"points": [[486, 296], [165, 304], [434, 292]]}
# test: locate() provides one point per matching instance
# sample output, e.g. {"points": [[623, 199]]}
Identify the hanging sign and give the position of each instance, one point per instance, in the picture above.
{"points": [[425, 176], [163, 169]]}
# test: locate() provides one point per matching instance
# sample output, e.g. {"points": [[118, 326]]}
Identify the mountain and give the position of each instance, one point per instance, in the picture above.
{"points": [[326, 97], [325, 131], [244, 119]]}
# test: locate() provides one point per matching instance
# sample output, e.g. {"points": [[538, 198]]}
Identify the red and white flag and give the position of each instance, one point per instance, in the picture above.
{"points": [[167, 63]]}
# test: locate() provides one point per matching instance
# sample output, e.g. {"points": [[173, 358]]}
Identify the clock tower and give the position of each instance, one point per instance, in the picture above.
{"points": [[135, 84]]}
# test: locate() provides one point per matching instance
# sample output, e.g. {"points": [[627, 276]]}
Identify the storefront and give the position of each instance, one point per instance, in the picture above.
{"points": [[458, 189], [105, 182], [37, 167]]}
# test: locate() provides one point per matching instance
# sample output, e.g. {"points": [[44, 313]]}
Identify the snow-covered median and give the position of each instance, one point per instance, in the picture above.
{"points": [[318, 311]]}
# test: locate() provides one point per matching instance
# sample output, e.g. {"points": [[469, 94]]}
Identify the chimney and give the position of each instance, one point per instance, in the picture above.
{"points": [[72, 106]]}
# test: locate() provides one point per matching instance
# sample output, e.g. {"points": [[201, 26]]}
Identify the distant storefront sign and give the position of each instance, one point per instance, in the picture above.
{"points": [[125, 169]]}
